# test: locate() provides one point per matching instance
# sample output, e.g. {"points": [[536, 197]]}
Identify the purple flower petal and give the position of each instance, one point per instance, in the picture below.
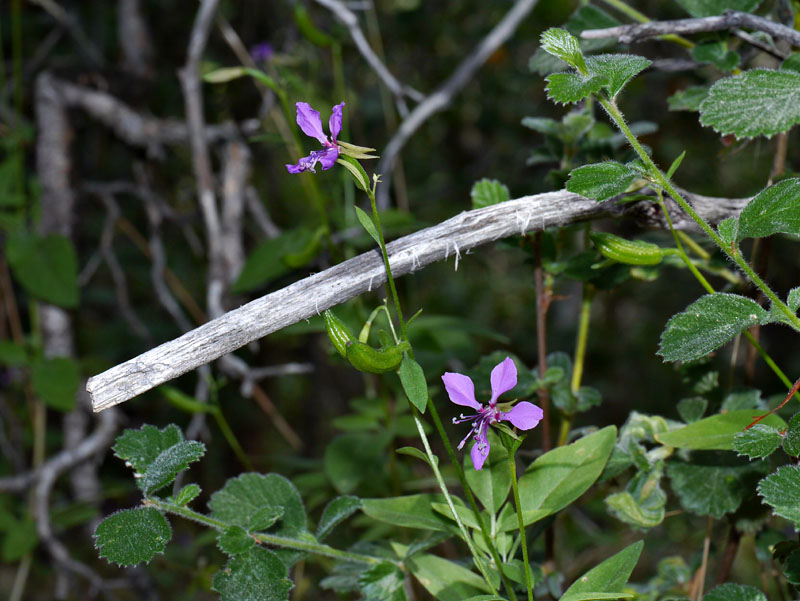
{"points": [[309, 121], [524, 415], [461, 390], [504, 378], [304, 164], [479, 452], [327, 157], [335, 122]]}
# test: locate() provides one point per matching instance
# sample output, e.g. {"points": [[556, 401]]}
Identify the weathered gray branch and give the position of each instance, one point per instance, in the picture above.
{"points": [[729, 20], [320, 291]]}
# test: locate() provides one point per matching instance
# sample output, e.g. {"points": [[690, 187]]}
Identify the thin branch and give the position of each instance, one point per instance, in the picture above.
{"points": [[312, 295], [440, 98], [74, 29], [728, 20], [349, 19]]}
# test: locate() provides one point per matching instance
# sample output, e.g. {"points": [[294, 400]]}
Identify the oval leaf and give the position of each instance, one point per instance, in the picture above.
{"points": [[707, 324], [716, 432], [169, 464], [610, 576], [775, 210], [600, 181], [414, 385], [132, 536]]}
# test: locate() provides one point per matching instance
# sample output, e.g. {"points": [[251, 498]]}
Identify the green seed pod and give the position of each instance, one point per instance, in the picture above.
{"points": [[338, 332], [376, 361], [630, 252]]}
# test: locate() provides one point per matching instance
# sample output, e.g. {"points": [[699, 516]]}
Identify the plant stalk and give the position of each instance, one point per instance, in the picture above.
{"points": [[512, 469]]}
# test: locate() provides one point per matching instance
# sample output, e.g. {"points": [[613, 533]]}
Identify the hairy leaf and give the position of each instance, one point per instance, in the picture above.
{"points": [[712, 484], [757, 442], [731, 591], [566, 88], [243, 499], [775, 210], [780, 490], [618, 69], [707, 324], [132, 536], [336, 511], [256, 575], [169, 463], [140, 447], [601, 181], [791, 442], [487, 192], [562, 44], [756, 103], [234, 540], [642, 503], [610, 576], [728, 230], [688, 99], [711, 8], [715, 432]]}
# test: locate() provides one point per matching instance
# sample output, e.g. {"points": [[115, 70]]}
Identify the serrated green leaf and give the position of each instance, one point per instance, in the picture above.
{"points": [[715, 432], [256, 575], [491, 484], [234, 540], [413, 511], [610, 576], [187, 494], [140, 447], [618, 69], [731, 591], [487, 192], [711, 8], [692, 409], [775, 210], [354, 456], [793, 299], [21, 538], [243, 499], [169, 463], [688, 99], [791, 442], [707, 324], [47, 267], [562, 44], [335, 512], [642, 503], [368, 225], [780, 490], [756, 103], [713, 484], [444, 579], [757, 442], [566, 88], [716, 53], [56, 382], [414, 385], [562, 475], [728, 230], [601, 181], [132, 536], [382, 582], [265, 518]]}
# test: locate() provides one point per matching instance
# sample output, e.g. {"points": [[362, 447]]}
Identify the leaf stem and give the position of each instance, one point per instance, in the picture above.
{"points": [[661, 180], [270, 539], [512, 469]]}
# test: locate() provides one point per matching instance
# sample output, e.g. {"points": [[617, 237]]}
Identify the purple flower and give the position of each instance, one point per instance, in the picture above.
{"points": [[461, 391], [262, 52], [309, 121]]}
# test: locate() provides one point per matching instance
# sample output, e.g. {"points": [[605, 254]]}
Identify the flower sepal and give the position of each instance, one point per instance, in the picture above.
{"points": [[357, 152], [507, 434]]}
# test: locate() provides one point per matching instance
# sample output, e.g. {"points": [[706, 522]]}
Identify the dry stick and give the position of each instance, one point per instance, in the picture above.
{"points": [[729, 20], [442, 96], [312, 295]]}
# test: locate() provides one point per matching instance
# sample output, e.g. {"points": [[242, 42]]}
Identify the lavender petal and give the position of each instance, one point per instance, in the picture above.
{"points": [[524, 415], [504, 378], [461, 390], [335, 122], [309, 121]]}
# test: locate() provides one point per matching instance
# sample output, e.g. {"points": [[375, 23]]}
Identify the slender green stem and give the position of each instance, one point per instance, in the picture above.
{"points": [[642, 18], [437, 474], [230, 437], [512, 469], [270, 539], [487, 539], [696, 248], [580, 358], [660, 179]]}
